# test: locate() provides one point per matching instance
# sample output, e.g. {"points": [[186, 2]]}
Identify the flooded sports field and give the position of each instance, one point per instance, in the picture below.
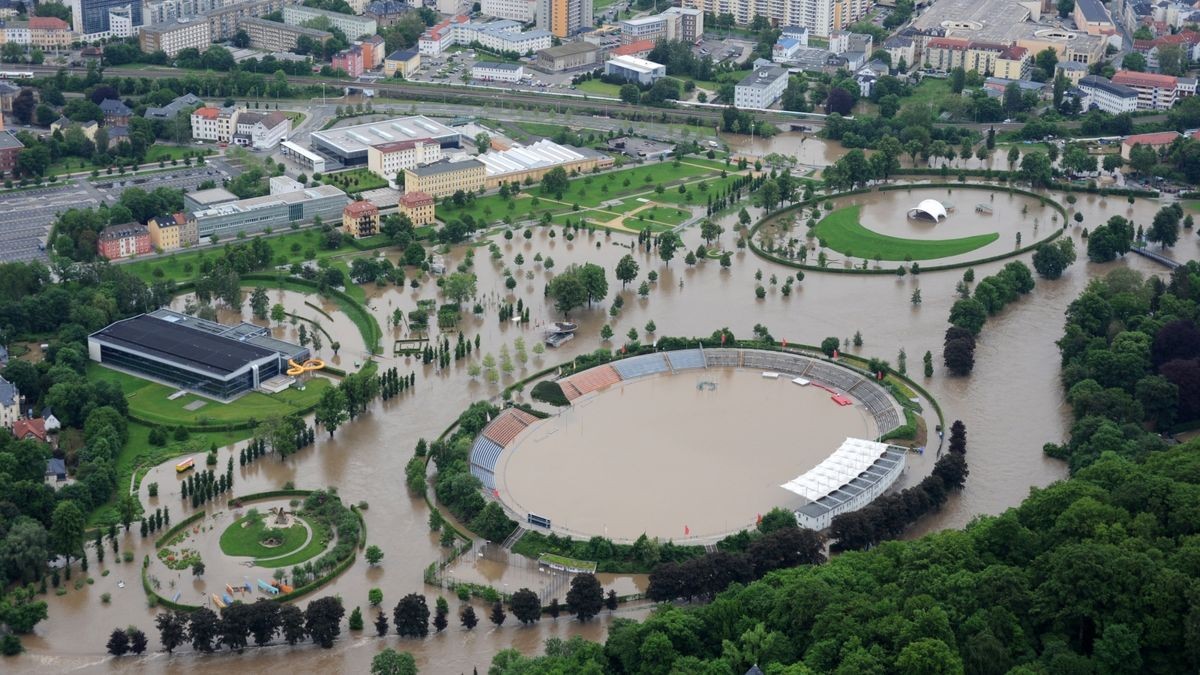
{"points": [[694, 455]]}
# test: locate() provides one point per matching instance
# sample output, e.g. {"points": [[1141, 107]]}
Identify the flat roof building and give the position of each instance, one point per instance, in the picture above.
{"points": [[278, 37], [632, 69], [275, 211], [761, 88], [349, 144], [1107, 95], [203, 199], [353, 26], [567, 56], [1004, 22], [203, 357], [445, 178]]}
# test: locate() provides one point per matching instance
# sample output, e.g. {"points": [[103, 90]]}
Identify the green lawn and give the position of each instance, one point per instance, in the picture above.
{"points": [[355, 180], [842, 232], [315, 547], [148, 401], [245, 535], [930, 91], [600, 88]]}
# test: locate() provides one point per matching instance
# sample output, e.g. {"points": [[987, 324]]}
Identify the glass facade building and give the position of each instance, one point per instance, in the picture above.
{"points": [[95, 13]]}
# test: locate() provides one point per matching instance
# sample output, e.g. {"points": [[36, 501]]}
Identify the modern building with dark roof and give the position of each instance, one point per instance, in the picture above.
{"points": [[203, 357], [170, 110]]}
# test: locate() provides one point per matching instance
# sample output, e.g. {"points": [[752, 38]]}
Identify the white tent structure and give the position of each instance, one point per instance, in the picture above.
{"points": [[852, 477], [928, 209]]}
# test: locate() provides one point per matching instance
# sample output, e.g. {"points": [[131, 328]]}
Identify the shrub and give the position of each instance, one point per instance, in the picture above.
{"points": [[549, 392]]}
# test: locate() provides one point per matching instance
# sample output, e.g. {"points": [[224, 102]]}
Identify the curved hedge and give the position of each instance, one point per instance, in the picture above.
{"points": [[179, 527], [786, 262], [366, 324]]}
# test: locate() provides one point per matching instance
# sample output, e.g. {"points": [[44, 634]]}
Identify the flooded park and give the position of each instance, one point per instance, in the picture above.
{"points": [[1012, 405]]}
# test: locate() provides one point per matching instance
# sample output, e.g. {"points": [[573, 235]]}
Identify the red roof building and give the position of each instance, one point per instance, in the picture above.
{"points": [[638, 49], [1155, 92], [1157, 140], [26, 428]]}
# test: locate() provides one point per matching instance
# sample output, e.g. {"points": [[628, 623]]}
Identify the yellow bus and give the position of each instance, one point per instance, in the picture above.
{"points": [[189, 463]]}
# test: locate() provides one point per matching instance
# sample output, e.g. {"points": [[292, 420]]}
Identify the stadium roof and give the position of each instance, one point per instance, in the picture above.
{"points": [[851, 459], [175, 343]]}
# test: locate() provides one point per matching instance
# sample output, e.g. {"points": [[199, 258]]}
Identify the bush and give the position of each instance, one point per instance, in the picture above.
{"points": [[549, 392]]}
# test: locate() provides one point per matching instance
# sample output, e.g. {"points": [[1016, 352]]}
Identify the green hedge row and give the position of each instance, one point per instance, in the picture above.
{"points": [[1012, 175], [155, 599], [179, 527], [758, 250], [367, 325], [270, 494], [333, 573]]}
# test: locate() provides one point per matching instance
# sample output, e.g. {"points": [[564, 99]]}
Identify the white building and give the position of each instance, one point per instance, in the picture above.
{"points": [[1107, 95], [797, 33], [497, 72], [820, 17], [676, 23], [10, 403], [502, 36], [761, 88], [388, 159], [353, 26], [633, 69], [517, 10], [172, 38], [214, 124], [262, 131], [785, 50], [856, 474]]}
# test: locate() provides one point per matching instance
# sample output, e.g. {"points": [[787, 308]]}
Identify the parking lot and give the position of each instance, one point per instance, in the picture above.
{"points": [[26, 215]]}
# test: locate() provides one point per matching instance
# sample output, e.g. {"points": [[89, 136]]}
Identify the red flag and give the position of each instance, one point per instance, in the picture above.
{"points": [[785, 343], [722, 338], [686, 530], [835, 354], [759, 521]]}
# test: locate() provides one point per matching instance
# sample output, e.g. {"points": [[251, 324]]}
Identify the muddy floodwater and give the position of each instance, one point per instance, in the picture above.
{"points": [[1011, 404], [674, 458]]}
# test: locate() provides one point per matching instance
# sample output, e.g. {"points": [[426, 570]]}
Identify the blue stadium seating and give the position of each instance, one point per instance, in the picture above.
{"points": [[640, 366]]}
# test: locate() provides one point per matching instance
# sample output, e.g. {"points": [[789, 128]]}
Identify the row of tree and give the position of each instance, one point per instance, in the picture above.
{"points": [[969, 313]]}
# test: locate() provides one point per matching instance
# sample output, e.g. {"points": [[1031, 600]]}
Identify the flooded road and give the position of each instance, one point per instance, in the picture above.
{"points": [[1011, 405]]}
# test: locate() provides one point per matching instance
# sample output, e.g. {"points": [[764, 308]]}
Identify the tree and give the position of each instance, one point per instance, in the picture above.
{"points": [[392, 662], [137, 640], [611, 601], [1164, 229], [627, 270], [356, 620], [498, 614], [460, 287], [1013, 156], [594, 282], [1050, 260], [525, 606], [374, 555], [586, 596], [1132, 61], [198, 568], [66, 529], [468, 618], [118, 642], [278, 313], [958, 351], [203, 628], [291, 623], [968, 313], [264, 620], [172, 629], [411, 616], [483, 142], [259, 303], [668, 244], [710, 230], [322, 620], [630, 93], [331, 410], [381, 624], [568, 292], [234, 626], [441, 610], [555, 182], [1036, 168]]}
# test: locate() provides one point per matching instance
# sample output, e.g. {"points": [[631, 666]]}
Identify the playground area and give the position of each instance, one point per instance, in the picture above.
{"points": [[688, 456]]}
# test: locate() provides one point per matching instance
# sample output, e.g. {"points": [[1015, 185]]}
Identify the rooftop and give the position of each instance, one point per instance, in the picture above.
{"points": [[48, 23], [360, 209], [173, 108], [267, 201], [25, 427], [181, 344], [446, 166], [404, 54], [763, 77], [121, 231], [296, 30], [9, 142], [852, 458], [396, 146], [635, 47], [1107, 85], [1093, 11], [8, 393], [635, 64], [359, 137], [1157, 138], [544, 153], [498, 65], [568, 49], [415, 199], [212, 196], [1135, 79]]}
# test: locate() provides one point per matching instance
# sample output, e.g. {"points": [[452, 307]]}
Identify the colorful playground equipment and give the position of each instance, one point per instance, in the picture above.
{"points": [[267, 588], [309, 365]]}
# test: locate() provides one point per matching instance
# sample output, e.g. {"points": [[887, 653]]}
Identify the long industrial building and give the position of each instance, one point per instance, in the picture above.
{"points": [[348, 145], [275, 211], [203, 357]]}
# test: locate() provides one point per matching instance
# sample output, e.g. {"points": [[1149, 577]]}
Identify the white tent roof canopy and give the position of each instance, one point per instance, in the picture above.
{"points": [[853, 457], [929, 208]]}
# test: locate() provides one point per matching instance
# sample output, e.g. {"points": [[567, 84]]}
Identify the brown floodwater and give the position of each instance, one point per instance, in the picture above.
{"points": [[1011, 404], [664, 457]]}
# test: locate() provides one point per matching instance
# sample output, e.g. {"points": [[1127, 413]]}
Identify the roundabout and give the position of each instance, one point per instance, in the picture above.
{"points": [[687, 445]]}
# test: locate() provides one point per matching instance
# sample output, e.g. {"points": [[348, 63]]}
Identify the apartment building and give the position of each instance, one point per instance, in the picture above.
{"points": [[278, 37], [565, 18], [172, 38], [517, 10], [445, 178], [349, 60], [501, 36], [214, 124], [420, 208], [386, 160], [761, 88], [224, 22], [374, 50], [820, 17], [360, 219], [123, 241], [1155, 92], [1107, 95], [1009, 62], [172, 232], [353, 26], [49, 32]]}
